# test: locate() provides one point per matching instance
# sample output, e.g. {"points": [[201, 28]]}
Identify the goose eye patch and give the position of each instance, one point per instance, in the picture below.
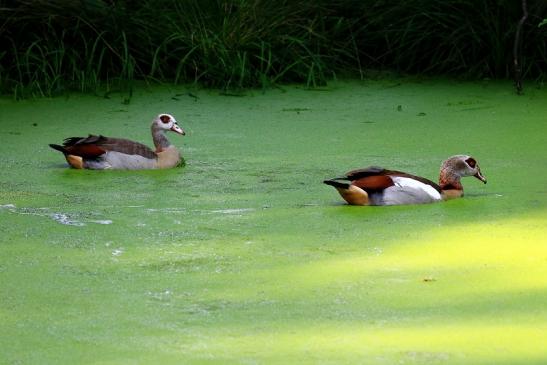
{"points": [[165, 119], [471, 162]]}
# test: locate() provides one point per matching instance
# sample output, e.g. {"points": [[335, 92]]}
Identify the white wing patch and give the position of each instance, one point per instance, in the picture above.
{"points": [[411, 183], [409, 191]]}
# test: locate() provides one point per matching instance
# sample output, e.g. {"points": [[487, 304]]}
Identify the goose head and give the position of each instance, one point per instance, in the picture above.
{"points": [[166, 122], [460, 166]]}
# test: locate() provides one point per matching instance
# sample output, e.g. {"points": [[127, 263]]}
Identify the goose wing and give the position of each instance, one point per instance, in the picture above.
{"points": [[94, 146], [375, 179]]}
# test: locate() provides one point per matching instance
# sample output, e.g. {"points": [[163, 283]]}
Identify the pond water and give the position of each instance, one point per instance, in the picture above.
{"points": [[244, 256]]}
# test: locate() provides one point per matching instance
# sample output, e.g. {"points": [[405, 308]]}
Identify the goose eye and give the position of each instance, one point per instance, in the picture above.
{"points": [[471, 162], [165, 119]]}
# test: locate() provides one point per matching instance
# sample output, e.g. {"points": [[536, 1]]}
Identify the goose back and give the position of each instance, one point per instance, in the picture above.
{"points": [[93, 146]]}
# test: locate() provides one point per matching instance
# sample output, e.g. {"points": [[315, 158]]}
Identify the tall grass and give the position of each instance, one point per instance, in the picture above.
{"points": [[458, 37], [51, 47]]}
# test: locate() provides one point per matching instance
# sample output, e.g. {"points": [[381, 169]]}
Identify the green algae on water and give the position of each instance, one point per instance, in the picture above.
{"points": [[243, 256]]}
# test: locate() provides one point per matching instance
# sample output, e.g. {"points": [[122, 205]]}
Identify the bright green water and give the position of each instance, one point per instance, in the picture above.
{"points": [[243, 256]]}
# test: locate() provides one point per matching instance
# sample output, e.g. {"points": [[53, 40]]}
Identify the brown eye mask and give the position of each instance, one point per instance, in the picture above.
{"points": [[471, 162]]}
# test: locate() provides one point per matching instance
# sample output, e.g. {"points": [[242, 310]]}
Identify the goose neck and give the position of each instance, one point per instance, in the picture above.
{"points": [[160, 140]]}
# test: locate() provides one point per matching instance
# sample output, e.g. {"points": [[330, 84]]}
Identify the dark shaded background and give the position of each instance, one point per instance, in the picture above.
{"points": [[48, 47]]}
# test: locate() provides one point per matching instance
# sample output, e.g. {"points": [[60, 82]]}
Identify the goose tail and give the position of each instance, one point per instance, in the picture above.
{"points": [[338, 183], [58, 148]]}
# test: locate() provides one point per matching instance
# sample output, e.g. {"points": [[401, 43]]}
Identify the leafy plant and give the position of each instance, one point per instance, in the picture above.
{"points": [[101, 46]]}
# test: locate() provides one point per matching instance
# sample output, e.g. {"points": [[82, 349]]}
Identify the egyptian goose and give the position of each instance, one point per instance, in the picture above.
{"points": [[378, 186], [99, 152]]}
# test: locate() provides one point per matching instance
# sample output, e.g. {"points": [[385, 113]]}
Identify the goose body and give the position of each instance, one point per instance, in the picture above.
{"points": [[100, 152], [379, 186]]}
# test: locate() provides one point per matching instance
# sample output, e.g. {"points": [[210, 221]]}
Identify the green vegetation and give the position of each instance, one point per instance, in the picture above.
{"points": [[243, 256], [50, 47]]}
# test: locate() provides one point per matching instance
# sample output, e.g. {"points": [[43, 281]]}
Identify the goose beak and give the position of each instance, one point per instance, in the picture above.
{"points": [[479, 176], [175, 128]]}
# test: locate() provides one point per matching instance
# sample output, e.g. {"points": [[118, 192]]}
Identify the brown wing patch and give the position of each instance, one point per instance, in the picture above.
{"points": [[127, 146], [94, 146], [373, 183], [88, 151]]}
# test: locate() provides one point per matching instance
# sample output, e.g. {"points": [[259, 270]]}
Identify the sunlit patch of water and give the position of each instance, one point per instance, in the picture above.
{"points": [[162, 296], [476, 194], [232, 211], [166, 210], [176, 210], [65, 219], [117, 252], [101, 221], [73, 219]]}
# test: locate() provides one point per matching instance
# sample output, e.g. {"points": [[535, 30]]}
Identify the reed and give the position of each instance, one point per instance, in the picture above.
{"points": [[101, 46]]}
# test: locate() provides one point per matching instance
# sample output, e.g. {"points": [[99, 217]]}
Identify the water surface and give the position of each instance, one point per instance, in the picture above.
{"points": [[243, 256]]}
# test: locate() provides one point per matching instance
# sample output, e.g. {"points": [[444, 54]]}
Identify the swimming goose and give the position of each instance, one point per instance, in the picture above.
{"points": [[378, 186], [99, 152]]}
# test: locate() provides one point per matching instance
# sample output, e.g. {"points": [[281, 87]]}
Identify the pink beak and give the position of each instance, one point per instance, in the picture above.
{"points": [[479, 176], [175, 128]]}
